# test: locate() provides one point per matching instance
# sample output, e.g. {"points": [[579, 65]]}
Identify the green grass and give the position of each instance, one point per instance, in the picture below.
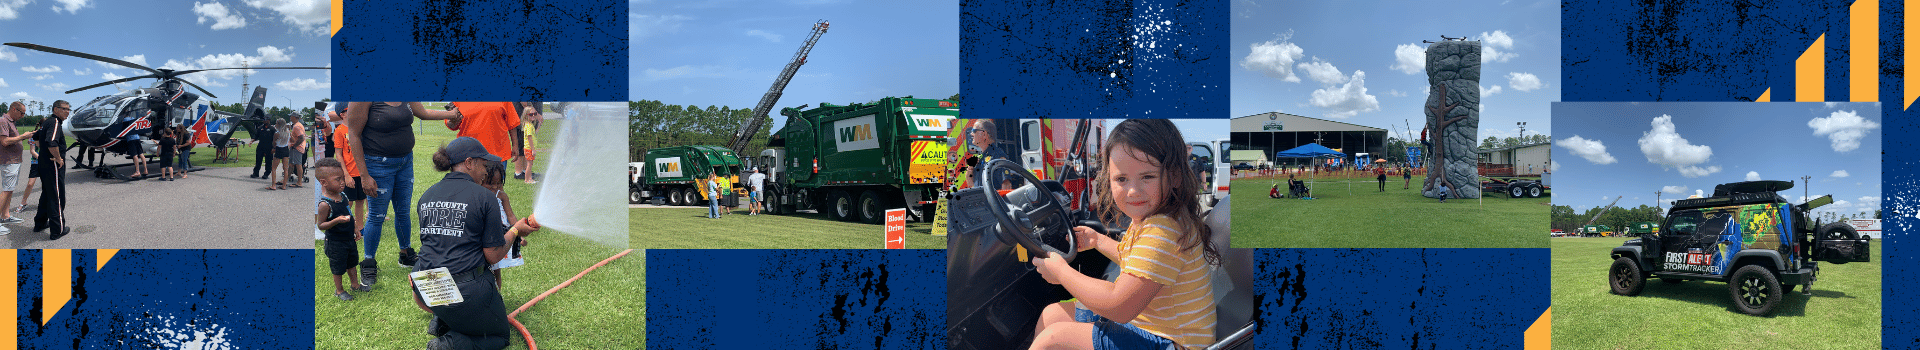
{"points": [[1842, 313], [606, 309], [1367, 218], [675, 228]]}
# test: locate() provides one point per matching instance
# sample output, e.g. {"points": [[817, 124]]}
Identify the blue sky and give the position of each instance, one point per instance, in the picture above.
{"points": [[1355, 54], [727, 53], [166, 34], [1615, 149]]}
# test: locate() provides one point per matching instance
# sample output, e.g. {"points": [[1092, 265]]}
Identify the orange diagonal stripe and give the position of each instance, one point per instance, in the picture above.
{"points": [[1540, 335], [1810, 73], [56, 282]]}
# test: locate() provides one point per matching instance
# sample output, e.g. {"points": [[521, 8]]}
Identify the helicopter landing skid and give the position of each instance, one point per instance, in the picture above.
{"points": [[112, 172]]}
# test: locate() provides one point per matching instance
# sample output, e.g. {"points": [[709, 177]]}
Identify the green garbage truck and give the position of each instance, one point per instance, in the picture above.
{"points": [[676, 175], [854, 162]]}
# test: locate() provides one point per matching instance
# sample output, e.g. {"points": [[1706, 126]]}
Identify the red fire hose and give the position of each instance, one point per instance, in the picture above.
{"points": [[516, 312]]}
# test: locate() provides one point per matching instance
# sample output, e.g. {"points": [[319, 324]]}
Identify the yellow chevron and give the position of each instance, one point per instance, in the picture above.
{"points": [[1810, 72], [1540, 335], [337, 17], [56, 281], [9, 299], [1863, 51], [1863, 57]]}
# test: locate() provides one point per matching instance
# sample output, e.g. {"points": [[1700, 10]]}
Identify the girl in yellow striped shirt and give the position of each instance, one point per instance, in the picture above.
{"points": [[1163, 296]]}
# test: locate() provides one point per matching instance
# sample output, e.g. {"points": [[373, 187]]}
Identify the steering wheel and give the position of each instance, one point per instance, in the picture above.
{"points": [[1035, 204]]}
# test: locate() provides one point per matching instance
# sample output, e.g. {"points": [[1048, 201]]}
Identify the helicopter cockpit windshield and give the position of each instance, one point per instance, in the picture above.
{"points": [[102, 111]]}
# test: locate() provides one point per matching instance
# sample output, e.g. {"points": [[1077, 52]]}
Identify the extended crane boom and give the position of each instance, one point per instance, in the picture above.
{"points": [[1603, 211], [759, 118]]}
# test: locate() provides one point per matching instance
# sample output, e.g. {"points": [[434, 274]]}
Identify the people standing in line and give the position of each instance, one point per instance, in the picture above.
{"points": [[263, 149], [10, 153], [188, 139], [51, 168], [167, 146], [139, 153], [381, 136]]}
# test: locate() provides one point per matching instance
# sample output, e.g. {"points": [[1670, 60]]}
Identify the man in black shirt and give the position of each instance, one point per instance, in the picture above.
{"points": [[53, 189], [263, 149]]}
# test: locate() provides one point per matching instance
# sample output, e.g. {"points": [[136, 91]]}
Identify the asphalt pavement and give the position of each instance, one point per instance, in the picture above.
{"points": [[216, 208]]}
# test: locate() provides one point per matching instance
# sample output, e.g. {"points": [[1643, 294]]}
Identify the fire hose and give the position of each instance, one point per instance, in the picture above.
{"points": [[516, 312]]}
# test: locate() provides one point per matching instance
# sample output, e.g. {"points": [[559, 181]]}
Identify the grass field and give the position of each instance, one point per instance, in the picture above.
{"points": [[1363, 217], [1842, 313], [606, 309], [676, 228]]}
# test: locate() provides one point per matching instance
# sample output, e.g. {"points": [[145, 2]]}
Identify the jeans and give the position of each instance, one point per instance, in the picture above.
{"points": [[713, 206], [394, 176]]}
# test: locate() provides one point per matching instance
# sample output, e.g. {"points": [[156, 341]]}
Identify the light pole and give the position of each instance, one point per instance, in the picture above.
{"points": [[1803, 188], [1656, 201]]}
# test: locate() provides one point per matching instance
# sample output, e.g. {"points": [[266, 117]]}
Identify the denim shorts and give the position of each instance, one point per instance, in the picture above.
{"points": [[1108, 335]]}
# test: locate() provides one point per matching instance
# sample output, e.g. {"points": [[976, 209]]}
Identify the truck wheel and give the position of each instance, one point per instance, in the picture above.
{"points": [[872, 209], [633, 197], [1625, 277], [1755, 291], [1516, 191], [673, 196], [839, 207], [1534, 191]]}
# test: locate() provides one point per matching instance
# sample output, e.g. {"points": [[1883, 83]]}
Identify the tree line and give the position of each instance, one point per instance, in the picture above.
{"points": [[1564, 217], [654, 124]]}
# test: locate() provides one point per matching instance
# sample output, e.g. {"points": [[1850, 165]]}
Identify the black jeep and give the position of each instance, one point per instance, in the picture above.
{"points": [[1746, 235]]}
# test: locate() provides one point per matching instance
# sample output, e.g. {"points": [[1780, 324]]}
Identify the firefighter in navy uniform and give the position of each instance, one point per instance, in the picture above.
{"points": [[464, 229]]}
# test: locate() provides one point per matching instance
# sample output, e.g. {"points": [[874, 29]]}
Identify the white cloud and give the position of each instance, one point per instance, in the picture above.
{"points": [[641, 26], [1323, 72], [1694, 171], [1554, 165], [10, 9], [135, 59], [1396, 93], [1839, 173], [6, 55], [303, 85], [1485, 91], [1523, 81], [71, 6], [1491, 45], [1844, 128], [218, 13], [308, 16], [1663, 145], [43, 77], [1753, 176], [1274, 58], [21, 95], [267, 55], [1673, 190], [82, 71], [109, 76], [771, 37], [55, 87], [1345, 100], [1592, 150], [1409, 58], [47, 69], [3, 83]]}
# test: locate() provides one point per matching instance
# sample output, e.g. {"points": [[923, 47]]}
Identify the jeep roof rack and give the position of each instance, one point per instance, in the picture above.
{"points": [[1761, 186]]}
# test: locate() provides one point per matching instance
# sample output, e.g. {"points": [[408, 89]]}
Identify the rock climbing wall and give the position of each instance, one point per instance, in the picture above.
{"points": [[1453, 118]]}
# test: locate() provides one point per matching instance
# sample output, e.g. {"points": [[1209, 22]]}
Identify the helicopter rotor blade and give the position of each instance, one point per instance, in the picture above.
{"points": [[111, 82], [82, 55], [184, 72], [197, 87]]}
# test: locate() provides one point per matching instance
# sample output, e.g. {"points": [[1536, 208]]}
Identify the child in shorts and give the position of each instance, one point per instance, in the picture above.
{"points": [[333, 217], [1163, 297], [167, 147]]}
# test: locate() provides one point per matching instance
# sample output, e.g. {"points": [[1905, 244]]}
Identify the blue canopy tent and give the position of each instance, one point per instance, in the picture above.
{"points": [[1313, 150]]}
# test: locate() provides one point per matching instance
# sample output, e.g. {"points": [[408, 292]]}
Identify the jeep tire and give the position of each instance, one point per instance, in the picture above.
{"points": [[1755, 290], [1625, 277]]}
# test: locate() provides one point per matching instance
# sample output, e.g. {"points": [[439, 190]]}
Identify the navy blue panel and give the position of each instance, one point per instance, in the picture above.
{"points": [[237, 299], [456, 50], [1694, 50], [1900, 186], [826, 299], [1094, 59], [1399, 298]]}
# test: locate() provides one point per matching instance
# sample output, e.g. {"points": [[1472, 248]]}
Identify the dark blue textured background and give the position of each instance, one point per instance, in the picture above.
{"points": [[1094, 59], [260, 299], [457, 50], [1399, 298], [1731, 51], [823, 299]]}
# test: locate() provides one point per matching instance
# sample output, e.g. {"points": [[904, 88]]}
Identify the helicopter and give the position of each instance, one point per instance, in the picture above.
{"points": [[106, 122]]}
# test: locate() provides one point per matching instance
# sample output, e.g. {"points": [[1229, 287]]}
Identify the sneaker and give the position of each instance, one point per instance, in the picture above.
{"points": [[519, 176], [19, 209], [343, 296], [4, 231], [12, 220], [369, 272], [407, 257], [362, 288], [62, 232]]}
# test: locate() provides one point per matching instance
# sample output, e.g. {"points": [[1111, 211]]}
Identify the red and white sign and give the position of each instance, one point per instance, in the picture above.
{"points": [[897, 229], [1866, 227]]}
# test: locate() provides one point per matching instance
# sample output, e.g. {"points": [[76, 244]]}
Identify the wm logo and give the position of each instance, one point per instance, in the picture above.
{"points": [[930, 122], [669, 167], [856, 133]]}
